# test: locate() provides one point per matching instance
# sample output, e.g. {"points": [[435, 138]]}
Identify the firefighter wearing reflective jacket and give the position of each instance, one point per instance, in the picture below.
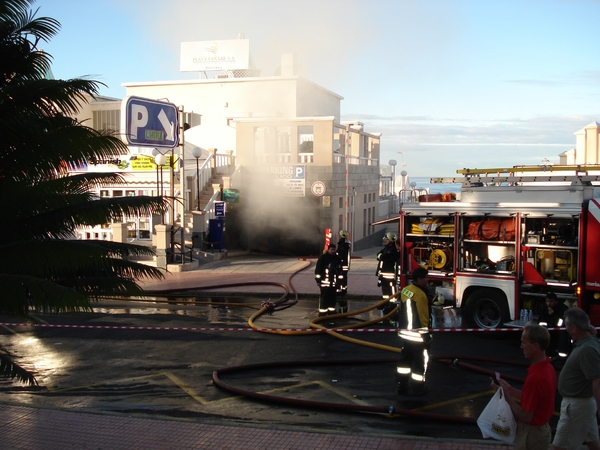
{"points": [[328, 275], [343, 251], [414, 322], [387, 271]]}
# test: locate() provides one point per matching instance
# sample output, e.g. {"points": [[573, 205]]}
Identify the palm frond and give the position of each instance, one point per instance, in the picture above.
{"points": [[42, 269], [10, 369], [23, 294], [44, 97], [9, 8], [20, 33], [96, 288], [60, 260], [62, 222], [22, 23]]}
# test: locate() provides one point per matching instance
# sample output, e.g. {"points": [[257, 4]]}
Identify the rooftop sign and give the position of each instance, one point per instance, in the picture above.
{"points": [[215, 55]]}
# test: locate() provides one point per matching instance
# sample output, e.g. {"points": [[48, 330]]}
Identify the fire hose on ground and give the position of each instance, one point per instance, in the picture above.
{"points": [[386, 410], [282, 303]]}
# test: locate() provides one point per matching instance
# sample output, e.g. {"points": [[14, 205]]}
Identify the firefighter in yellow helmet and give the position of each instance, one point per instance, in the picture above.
{"points": [[414, 322]]}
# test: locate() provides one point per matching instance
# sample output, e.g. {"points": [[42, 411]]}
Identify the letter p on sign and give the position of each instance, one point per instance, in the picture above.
{"points": [[139, 118]]}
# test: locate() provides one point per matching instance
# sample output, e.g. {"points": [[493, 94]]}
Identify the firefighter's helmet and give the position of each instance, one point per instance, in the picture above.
{"points": [[343, 234], [390, 236]]}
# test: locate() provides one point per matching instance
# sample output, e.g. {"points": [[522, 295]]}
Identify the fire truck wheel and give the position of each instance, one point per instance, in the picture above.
{"points": [[487, 308]]}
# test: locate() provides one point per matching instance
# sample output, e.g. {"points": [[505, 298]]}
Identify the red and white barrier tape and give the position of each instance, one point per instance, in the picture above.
{"points": [[314, 330]]}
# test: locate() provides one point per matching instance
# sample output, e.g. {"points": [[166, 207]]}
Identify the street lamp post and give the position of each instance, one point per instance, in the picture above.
{"points": [[155, 152], [160, 160], [403, 175], [353, 210], [393, 164], [196, 153], [403, 179]]}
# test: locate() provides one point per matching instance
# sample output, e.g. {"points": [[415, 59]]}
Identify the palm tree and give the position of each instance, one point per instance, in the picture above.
{"points": [[43, 268]]}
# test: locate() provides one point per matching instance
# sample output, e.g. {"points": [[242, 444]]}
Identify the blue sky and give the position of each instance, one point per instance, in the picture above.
{"points": [[448, 83]]}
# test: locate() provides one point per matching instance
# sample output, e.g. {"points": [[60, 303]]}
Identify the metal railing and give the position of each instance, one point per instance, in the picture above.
{"points": [[203, 177], [222, 163], [286, 158], [338, 158], [308, 158], [178, 252], [209, 209], [412, 195]]}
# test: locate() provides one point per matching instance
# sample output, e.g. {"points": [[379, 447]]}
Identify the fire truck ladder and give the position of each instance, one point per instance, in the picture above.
{"points": [[576, 174]]}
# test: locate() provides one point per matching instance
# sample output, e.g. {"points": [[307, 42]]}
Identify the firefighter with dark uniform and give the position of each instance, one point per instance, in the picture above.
{"points": [[343, 251], [414, 321], [328, 275], [387, 270]]}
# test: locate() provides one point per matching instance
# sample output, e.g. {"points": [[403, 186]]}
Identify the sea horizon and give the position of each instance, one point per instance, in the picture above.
{"points": [[434, 188]]}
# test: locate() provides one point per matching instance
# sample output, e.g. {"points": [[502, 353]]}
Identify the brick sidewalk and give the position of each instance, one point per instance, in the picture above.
{"points": [[30, 428]]}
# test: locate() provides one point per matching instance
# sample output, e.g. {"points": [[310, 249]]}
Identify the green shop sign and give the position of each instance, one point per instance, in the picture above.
{"points": [[231, 195]]}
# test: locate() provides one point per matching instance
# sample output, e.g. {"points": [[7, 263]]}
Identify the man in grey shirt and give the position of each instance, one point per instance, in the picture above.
{"points": [[579, 386]]}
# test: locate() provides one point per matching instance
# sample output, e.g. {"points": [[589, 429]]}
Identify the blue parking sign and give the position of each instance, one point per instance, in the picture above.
{"points": [[150, 123]]}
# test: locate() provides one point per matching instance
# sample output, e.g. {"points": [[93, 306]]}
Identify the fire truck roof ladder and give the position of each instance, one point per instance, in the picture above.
{"points": [[576, 174]]}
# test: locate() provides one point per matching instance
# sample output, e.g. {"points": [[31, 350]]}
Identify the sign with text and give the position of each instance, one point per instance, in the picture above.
{"points": [[125, 163], [291, 178], [219, 209], [215, 55], [231, 195], [150, 123]]}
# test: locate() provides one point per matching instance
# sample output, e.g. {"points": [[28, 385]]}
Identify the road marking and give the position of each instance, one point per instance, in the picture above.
{"points": [[456, 400], [193, 394]]}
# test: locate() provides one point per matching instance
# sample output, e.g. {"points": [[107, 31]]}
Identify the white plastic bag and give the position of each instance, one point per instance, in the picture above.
{"points": [[497, 420]]}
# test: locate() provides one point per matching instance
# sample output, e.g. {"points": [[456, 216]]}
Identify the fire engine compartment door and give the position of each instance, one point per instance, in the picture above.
{"points": [[592, 267]]}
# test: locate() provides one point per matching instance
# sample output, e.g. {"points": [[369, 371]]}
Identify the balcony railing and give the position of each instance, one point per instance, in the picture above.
{"points": [[221, 164], [355, 160], [308, 158]]}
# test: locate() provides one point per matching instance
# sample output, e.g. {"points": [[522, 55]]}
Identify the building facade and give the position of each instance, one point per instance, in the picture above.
{"points": [[303, 176], [587, 147], [299, 171]]}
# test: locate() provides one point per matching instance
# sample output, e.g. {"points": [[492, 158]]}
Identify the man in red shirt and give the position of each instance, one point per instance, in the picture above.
{"points": [[537, 396]]}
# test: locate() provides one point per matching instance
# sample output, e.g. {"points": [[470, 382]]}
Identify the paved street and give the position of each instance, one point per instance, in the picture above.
{"points": [[151, 389]]}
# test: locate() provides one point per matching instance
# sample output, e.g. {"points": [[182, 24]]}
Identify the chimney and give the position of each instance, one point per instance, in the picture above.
{"points": [[289, 67]]}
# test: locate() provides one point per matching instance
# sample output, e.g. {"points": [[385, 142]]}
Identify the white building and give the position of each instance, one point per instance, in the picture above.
{"points": [[587, 147], [277, 140]]}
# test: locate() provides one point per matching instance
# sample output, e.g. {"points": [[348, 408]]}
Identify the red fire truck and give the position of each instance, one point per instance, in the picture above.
{"points": [[509, 239]]}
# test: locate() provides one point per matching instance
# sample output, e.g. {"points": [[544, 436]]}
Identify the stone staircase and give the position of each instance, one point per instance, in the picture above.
{"points": [[208, 190], [186, 222]]}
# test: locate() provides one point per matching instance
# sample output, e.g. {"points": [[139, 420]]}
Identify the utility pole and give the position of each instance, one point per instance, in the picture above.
{"points": [[347, 193]]}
